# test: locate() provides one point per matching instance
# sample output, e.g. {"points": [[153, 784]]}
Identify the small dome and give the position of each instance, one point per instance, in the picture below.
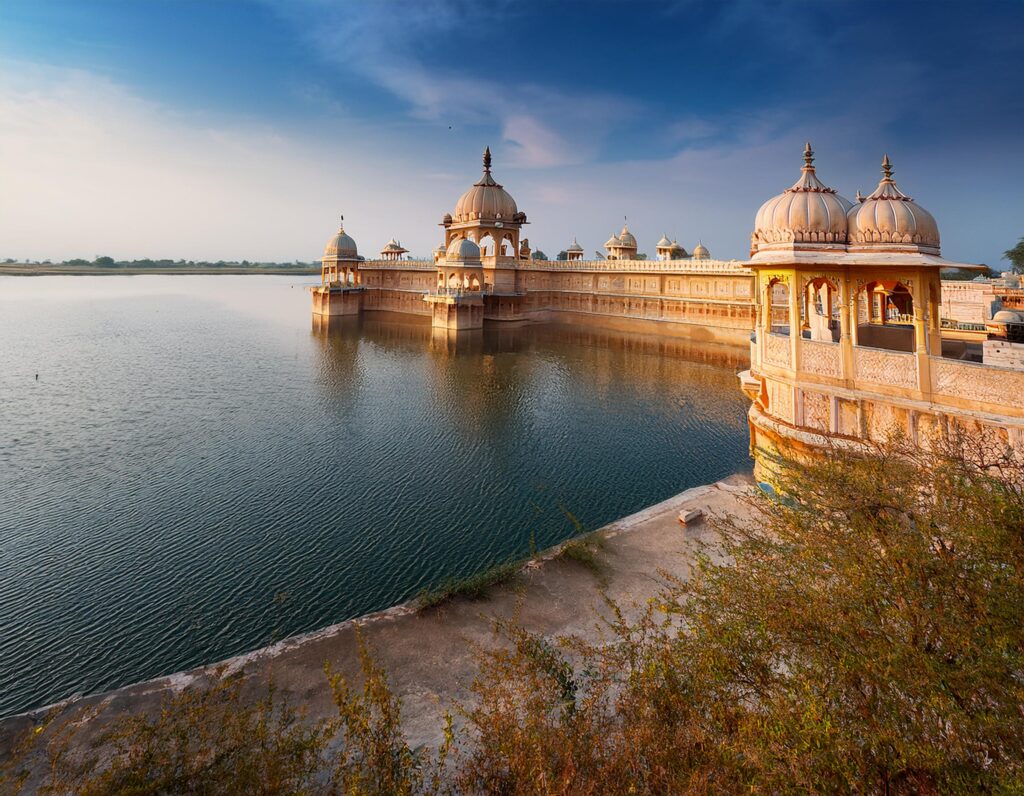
{"points": [[341, 245], [664, 243], [439, 249], [393, 246], [1007, 316], [626, 237], [486, 199], [807, 213], [889, 219], [700, 252], [462, 249], [613, 242], [574, 246]]}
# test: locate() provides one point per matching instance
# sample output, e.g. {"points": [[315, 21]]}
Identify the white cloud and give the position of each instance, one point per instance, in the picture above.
{"points": [[381, 40], [88, 167]]}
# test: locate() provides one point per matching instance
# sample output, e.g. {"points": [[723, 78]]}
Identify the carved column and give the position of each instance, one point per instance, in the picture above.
{"points": [[935, 315], [766, 321], [795, 332], [845, 336], [924, 378]]}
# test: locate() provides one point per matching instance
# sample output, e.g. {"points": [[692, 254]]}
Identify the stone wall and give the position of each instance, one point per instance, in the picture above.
{"points": [[1003, 354], [713, 294]]}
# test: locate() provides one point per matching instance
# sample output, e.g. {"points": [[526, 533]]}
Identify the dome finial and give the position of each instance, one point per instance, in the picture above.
{"points": [[808, 156], [341, 222], [886, 167], [487, 160]]}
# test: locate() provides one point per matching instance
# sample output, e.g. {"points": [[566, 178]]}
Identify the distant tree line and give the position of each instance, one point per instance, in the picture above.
{"points": [[105, 261]]}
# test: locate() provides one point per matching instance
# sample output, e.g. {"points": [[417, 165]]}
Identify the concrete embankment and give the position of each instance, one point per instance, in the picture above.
{"points": [[429, 653]]}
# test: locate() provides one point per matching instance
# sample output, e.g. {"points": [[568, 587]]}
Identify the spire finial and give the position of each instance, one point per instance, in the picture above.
{"points": [[808, 156], [341, 222], [487, 160], [886, 167]]}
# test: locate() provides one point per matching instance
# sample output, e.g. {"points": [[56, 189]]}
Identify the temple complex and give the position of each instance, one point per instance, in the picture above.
{"points": [[848, 343], [852, 332], [485, 272]]}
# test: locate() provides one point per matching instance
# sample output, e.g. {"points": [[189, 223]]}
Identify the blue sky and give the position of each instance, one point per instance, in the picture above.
{"points": [[241, 128]]}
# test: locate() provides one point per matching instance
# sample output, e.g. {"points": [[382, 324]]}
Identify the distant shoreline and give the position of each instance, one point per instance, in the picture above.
{"points": [[20, 269]]}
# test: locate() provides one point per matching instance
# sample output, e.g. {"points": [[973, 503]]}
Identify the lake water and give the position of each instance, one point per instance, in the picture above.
{"points": [[197, 471]]}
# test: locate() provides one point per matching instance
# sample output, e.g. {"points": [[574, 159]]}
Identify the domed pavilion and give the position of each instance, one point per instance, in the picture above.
{"points": [[340, 262], [487, 215], [847, 341]]}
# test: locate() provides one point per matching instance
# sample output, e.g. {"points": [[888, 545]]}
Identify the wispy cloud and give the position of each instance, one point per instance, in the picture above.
{"points": [[390, 44], [90, 167]]}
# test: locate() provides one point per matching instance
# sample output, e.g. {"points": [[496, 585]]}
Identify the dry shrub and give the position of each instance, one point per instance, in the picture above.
{"points": [[865, 635], [217, 740]]}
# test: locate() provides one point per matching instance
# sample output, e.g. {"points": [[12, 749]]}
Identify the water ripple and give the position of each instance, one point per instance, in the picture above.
{"points": [[195, 473]]}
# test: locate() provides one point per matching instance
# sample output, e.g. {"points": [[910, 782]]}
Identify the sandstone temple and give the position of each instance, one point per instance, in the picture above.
{"points": [[849, 341], [853, 334], [485, 272]]}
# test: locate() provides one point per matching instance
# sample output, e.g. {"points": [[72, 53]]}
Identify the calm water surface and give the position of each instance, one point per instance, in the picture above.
{"points": [[196, 472]]}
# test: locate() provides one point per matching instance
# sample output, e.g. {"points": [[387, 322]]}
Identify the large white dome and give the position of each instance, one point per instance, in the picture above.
{"points": [[808, 213], [341, 245], [889, 219], [486, 199]]}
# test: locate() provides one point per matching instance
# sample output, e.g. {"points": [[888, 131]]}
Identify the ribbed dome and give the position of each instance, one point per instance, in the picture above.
{"points": [[807, 213], [626, 237], [486, 199], [462, 249], [664, 243], [1007, 316], [341, 245], [574, 246], [889, 219], [700, 252], [612, 242]]}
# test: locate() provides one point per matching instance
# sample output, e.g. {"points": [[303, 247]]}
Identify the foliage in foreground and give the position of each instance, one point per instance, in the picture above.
{"points": [[865, 636], [472, 587]]}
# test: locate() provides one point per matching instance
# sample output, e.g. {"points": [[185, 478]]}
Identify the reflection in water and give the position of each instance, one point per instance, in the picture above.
{"points": [[197, 473]]}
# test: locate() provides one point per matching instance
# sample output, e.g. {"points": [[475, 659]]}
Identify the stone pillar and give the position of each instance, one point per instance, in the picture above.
{"points": [[845, 332], [766, 316], [924, 377], [795, 332], [935, 315]]}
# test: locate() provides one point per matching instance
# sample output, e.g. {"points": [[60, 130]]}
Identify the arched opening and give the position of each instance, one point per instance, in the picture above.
{"points": [[474, 282], [487, 245], [885, 316], [820, 311], [453, 281], [508, 245], [440, 278], [778, 307]]}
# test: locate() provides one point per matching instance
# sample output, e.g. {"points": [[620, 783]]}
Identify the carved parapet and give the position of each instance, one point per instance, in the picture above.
{"points": [[820, 358], [777, 350], [891, 368], [980, 383]]}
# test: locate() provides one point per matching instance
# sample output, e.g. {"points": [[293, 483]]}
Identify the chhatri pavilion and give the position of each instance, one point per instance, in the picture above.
{"points": [[848, 341], [485, 272], [840, 302]]}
